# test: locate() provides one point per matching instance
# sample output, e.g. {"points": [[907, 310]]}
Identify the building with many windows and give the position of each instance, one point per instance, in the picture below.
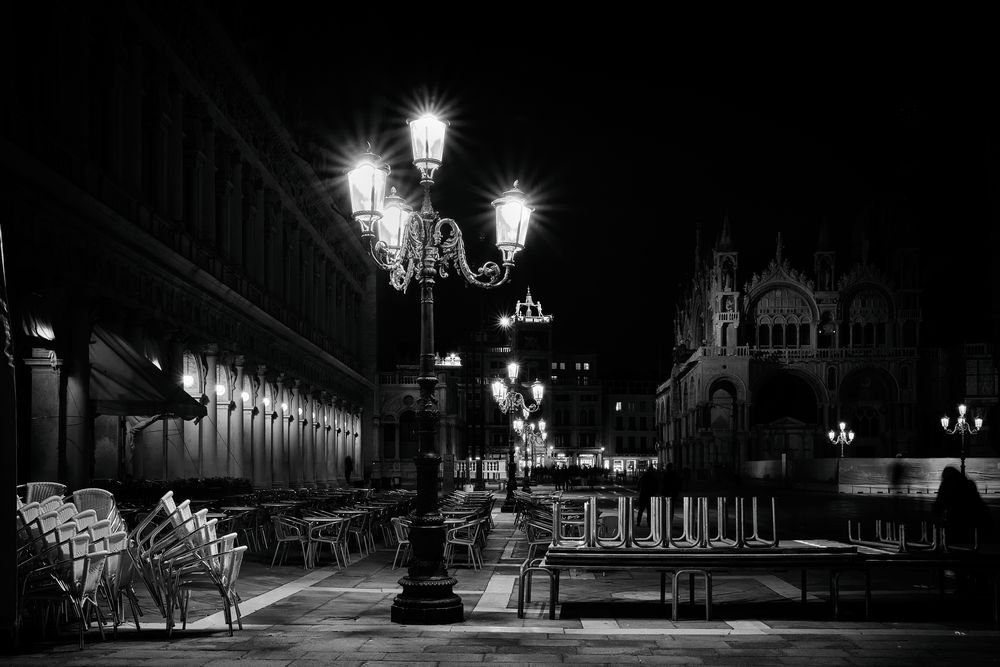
{"points": [[631, 443], [184, 301]]}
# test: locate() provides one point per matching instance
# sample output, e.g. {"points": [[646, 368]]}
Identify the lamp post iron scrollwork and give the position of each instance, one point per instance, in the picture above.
{"points": [[423, 246], [532, 435], [511, 401], [962, 428]]}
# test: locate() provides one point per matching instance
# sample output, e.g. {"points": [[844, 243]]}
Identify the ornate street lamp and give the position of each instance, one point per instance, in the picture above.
{"points": [[961, 428], [424, 246], [510, 401], [845, 437], [532, 435]]}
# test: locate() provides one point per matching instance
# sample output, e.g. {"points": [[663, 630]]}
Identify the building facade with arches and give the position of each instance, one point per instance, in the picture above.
{"points": [[184, 300], [765, 369]]}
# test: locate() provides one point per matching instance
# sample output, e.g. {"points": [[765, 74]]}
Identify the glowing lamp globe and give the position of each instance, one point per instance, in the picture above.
{"points": [[392, 224], [499, 389], [427, 135], [537, 390], [512, 218], [367, 185]]}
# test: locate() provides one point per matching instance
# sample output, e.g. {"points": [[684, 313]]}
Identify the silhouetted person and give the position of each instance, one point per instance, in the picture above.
{"points": [[897, 475], [647, 489], [348, 468], [669, 484], [963, 509]]}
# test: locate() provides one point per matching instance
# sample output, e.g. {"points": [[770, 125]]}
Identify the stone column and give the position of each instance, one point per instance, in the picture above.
{"points": [[308, 439], [239, 443], [322, 438], [208, 454], [45, 370], [76, 464], [279, 455], [260, 447], [174, 459], [295, 437], [331, 439]]}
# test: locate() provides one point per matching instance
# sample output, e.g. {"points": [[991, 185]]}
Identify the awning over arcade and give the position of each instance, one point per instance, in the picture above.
{"points": [[123, 382]]}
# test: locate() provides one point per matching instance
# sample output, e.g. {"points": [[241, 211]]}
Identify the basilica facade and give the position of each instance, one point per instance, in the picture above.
{"points": [[768, 360]]}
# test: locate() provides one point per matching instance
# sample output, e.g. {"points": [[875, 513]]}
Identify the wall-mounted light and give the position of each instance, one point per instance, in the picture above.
{"points": [[188, 381], [338, 429], [220, 390], [232, 405]]}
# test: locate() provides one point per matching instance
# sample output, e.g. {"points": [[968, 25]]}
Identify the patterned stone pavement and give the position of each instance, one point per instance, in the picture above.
{"points": [[325, 616]]}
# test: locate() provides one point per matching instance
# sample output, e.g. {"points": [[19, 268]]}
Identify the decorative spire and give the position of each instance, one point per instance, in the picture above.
{"points": [[530, 310], [824, 242], [778, 249], [697, 247], [726, 240]]}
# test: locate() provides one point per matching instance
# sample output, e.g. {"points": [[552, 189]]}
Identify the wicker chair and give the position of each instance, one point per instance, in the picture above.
{"points": [[102, 502], [38, 491]]}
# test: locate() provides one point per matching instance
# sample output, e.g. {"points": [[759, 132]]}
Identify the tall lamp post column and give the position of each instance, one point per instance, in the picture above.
{"points": [[424, 246], [961, 428], [510, 401], [532, 435], [845, 437]]}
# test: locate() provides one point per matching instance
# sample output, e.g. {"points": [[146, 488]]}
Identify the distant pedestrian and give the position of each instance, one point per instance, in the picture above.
{"points": [[966, 515], [647, 488]]}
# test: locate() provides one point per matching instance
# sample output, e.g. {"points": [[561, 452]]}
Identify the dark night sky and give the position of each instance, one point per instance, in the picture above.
{"points": [[625, 145]]}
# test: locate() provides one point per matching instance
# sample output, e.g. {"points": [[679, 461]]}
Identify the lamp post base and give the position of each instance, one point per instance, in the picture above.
{"points": [[418, 604], [427, 597], [509, 503]]}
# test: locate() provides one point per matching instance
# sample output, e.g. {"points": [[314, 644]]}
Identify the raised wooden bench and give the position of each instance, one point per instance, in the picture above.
{"points": [[787, 555], [835, 557]]}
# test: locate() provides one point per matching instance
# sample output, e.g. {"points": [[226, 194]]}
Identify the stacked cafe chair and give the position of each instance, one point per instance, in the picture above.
{"points": [[60, 566]]}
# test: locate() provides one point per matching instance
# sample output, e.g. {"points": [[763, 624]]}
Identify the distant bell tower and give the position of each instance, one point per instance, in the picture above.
{"points": [[532, 339], [826, 294], [725, 294], [824, 259]]}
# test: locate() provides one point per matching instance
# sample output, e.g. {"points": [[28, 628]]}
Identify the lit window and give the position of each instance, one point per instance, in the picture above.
{"points": [[555, 365], [578, 365], [586, 365], [618, 406], [562, 365]]}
